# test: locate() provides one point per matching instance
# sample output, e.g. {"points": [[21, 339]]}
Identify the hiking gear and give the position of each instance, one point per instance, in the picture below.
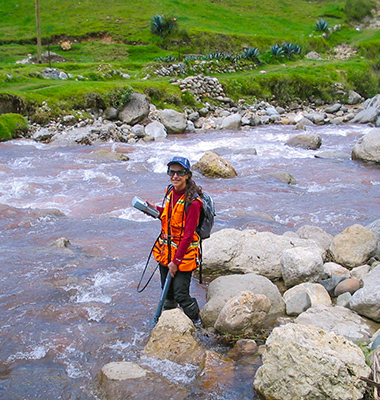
{"points": [[181, 172], [172, 233], [192, 310], [162, 298], [181, 161], [206, 220], [170, 304]]}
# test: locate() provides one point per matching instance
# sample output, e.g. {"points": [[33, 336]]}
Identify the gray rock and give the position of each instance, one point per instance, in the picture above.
{"points": [[366, 116], [339, 320], [232, 122], [297, 304], [136, 110], [354, 97], [368, 147], [334, 108], [138, 130], [366, 301], [174, 121], [317, 234], [155, 130], [343, 300], [331, 283], [333, 270], [301, 264], [375, 228], [310, 141], [316, 118], [316, 292]]}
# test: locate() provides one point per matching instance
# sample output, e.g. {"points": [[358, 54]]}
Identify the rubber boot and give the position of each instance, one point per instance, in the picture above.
{"points": [[192, 310], [169, 304]]}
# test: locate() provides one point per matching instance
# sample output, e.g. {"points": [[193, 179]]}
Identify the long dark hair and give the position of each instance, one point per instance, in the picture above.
{"points": [[192, 189]]}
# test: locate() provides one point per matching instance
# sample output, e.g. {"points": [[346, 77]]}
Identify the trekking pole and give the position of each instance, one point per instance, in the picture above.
{"points": [[162, 298]]}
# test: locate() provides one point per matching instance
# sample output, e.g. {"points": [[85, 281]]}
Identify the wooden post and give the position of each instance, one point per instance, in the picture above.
{"points": [[38, 31]]}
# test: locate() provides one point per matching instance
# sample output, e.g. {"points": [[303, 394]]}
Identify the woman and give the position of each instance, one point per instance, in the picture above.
{"points": [[177, 248]]}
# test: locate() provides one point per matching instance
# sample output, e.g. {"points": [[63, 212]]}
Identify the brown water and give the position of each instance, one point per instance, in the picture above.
{"points": [[65, 312]]}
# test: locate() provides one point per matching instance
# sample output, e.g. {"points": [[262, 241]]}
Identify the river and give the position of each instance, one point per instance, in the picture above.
{"points": [[67, 311]]}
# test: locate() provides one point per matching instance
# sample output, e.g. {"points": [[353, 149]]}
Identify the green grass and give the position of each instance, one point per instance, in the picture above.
{"points": [[115, 36]]}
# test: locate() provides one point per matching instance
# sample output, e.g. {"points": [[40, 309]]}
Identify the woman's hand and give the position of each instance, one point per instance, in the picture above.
{"points": [[173, 268], [151, 204]]}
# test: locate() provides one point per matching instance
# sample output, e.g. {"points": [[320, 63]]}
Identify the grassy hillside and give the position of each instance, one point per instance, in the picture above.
{"points": [[116, 35]]}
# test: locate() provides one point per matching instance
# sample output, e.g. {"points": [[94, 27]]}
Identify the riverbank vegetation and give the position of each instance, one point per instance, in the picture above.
{"points": [[256, 50]]}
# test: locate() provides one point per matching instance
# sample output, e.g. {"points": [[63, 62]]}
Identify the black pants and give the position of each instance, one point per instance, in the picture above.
{"points": [[179, 291]]}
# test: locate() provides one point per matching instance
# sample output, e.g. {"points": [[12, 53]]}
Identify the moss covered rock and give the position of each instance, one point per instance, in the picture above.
{"points": [[12, 126]]}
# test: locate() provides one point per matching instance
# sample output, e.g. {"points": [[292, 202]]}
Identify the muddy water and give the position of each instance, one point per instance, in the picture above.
{"points": [[65, 312]]}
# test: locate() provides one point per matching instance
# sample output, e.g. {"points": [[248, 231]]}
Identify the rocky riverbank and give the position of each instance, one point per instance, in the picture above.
{"points": [[325, 309], [140, 120]]}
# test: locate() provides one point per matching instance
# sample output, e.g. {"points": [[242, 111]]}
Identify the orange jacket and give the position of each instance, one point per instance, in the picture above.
{"points": [[172, 231]]}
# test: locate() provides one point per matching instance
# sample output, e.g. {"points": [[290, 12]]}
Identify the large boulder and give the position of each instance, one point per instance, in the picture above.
{"points": [[174, 121], [337, 319], [366, 116], [301, 264], [368, 147], [310, 141], [225, 288], [303, 362], [136, 110], [366, 301], [354, 246], [172, 339], [155, 130], [243, 314], [234, 251], [214, 166]]}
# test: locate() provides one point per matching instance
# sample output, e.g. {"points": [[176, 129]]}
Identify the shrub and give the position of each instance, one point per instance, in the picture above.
{"points": [[277, 51], [356, 10], [119, 97], [12, 126]]}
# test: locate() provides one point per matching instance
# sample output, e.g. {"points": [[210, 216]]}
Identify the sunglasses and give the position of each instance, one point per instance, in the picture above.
{"points": [[181, 172]]}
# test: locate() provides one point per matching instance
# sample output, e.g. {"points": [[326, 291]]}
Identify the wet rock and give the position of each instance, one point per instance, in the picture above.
{"points": [[172, 339], [301, 264], [174, 121], [339, 320], [42, 135], [350, 285], [368, 148], [305, 141], [61, 242], [283, 177], [243, 314], [135, 110], [127, 380], [316, 292], [301, 362], [244, 346], [111, 155], [225, 288], [297, 304], [354, 246], [366, 301], [212, 165]]}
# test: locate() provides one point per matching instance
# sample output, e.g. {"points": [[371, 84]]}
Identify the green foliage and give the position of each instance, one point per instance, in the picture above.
{"points": [[322, 25], [277, 51], [163, 26], [119, 97], [357, 10], [251, 53], [12, 125]]}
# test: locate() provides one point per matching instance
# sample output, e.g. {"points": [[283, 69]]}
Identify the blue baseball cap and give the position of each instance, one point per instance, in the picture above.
{"points": [[181, 161]]}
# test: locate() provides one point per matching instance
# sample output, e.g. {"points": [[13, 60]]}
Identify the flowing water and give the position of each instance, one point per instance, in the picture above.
{"points": [[65, 312]]}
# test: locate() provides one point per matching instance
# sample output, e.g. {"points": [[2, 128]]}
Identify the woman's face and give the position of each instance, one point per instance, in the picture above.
{"points": [[178, 176]]}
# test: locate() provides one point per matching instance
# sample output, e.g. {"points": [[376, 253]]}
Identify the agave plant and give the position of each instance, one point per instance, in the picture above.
{"points": [[166, 59], [322, 25], [162, 26], [251, 53], [290, 49], [277, 50]]}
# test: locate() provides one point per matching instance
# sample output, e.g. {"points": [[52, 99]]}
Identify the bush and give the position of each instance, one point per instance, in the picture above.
{"points": [[322, 25], [356, 10], [12, 126], [162, 26]]}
